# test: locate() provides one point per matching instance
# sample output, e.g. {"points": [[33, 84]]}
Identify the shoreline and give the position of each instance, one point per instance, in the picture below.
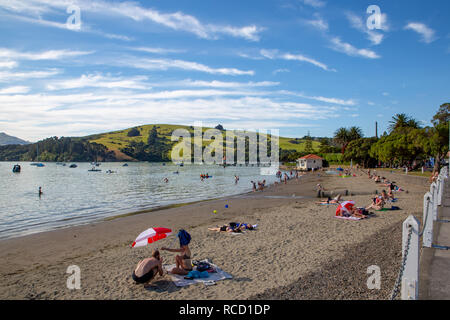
{"points": [[34, 266]]}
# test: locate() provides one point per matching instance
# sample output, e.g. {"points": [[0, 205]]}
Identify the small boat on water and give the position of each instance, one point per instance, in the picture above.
{"points": [[125, 165], [37, 164], [95, 170], [73, 165], [16, 168]]}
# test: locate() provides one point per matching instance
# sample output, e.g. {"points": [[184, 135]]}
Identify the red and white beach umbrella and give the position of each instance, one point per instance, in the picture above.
{"points": [[151, 235], [346, 206]]}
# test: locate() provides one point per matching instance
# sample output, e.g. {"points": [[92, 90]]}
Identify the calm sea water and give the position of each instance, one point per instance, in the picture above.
{"points": [[74, 196]]}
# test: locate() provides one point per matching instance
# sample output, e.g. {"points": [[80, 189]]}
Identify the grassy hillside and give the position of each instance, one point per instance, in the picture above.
{"points": [[118, 140]]}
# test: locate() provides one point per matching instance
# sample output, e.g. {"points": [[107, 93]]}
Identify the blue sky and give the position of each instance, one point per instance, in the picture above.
{"points": [[292, 65]]}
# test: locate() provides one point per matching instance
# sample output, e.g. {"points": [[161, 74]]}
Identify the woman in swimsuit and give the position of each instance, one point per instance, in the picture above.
{"points": [[183, 261], [147, 269]]}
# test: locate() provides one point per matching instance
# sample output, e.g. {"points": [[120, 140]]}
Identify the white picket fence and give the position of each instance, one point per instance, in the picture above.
{"points": [[409, 273]]}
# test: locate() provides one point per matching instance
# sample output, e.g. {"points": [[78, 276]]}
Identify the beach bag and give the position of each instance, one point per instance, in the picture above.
{"points": [[395, 208], [203, 266]]}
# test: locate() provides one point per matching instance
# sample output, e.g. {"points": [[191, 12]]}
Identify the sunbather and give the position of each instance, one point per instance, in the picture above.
{"points": [[336, 199], [377, 203], [348, 209]]}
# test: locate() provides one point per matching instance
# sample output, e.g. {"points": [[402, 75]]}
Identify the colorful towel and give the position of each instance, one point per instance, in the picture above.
{"points": [[180, 281]]}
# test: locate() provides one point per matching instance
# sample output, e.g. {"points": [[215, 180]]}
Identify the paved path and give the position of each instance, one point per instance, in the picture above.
{"points": [[434, 283]]}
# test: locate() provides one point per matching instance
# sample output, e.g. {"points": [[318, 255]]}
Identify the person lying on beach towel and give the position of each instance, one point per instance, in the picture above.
{"points": [[348, 209], [335, 200], [183, 261], [233, 227], [147, 269]]}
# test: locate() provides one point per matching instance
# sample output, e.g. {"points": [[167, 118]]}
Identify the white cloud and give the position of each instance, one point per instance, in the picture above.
{"points": [[16, 89], [280, 70], [8, 64], [274, 54], [314, 3], [165, 64], [318, 23], [25, 75], [119, 109], [45, 55], [338, 101], [99, 81], [350, 50], [132, 10], [157, 50], [357, 23], [428, 34], [220, 84]]}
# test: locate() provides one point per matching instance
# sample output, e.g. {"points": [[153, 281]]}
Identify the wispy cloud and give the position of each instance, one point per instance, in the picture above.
{"points": [[220, 84], [427, 34], [166, 64], [275, 54], [25, 75], [157, 50], [44, 55], [348, 49], [8, 64], [99, 81], [349, 102], [314, 3], [54, 24], [317, 23], [374, 37], [15, 90], [178, 21], [281, 70]]}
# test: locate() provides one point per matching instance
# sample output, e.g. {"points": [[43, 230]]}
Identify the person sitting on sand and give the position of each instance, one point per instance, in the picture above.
{"points": [[183, 261], [147, 269], [377, 203]]}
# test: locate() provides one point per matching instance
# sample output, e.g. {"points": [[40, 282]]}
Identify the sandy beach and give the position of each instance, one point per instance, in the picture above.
{"points": [[300, 251]]}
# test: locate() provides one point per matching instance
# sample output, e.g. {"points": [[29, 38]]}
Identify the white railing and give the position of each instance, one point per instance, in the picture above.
{"points": [[408, 276]]}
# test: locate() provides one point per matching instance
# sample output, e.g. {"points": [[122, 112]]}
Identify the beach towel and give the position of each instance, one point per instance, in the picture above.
{"points": [[348, 218], [180, 281]]}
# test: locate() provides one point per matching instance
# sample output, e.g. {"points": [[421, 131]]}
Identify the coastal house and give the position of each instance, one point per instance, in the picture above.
{"points": [[309, 162]]}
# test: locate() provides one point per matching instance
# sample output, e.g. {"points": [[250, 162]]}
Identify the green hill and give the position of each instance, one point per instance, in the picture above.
{"points": [[121, 141]]}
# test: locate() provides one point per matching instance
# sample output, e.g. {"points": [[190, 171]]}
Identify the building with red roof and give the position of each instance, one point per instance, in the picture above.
{"points": [[309, 162]]}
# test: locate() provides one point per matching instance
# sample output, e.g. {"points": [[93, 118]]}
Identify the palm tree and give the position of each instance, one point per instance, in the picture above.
{"points": [[355, 133], [342, 137], [401, 120]]}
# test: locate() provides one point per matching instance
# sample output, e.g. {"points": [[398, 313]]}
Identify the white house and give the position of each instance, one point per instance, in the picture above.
{"points": [[309, 162]]}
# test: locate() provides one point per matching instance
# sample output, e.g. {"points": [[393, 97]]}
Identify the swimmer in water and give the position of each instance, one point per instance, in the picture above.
{"points": [[40, 191]]}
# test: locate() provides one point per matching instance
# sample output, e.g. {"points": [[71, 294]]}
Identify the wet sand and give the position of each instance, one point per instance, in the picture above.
{"points": [[296, 240]]}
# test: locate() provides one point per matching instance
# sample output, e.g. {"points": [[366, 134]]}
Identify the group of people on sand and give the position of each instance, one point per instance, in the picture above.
{"points": [[147, 269]]}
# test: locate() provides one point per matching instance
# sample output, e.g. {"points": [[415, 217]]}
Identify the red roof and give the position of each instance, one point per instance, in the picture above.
{"points": [[311, 156]]}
